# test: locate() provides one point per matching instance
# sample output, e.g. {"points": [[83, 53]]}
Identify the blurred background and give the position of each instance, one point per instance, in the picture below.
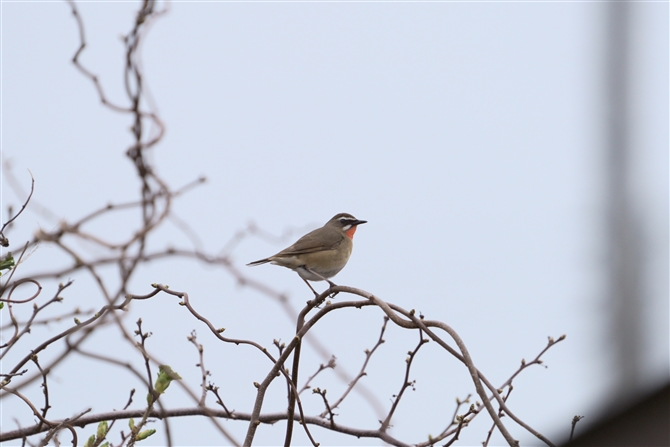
{"points": [[511, 160]]}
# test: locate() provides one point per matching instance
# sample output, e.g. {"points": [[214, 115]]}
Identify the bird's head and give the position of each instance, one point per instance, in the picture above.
{"points": [[345, 222]]}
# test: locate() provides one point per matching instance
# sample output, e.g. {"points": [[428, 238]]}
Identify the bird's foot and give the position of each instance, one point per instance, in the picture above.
{"points": [[332, 284]]}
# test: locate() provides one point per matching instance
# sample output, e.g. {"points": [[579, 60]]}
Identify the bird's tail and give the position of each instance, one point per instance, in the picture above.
{"points": [[262, 261]]}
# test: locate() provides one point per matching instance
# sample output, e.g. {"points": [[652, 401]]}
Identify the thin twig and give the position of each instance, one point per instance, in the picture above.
{"points": [[575, 419], [362, 373], [406, 382], [330, 365], [4, 242], [203, 372]]}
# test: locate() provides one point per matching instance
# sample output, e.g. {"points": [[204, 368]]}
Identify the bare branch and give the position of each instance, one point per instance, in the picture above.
{"points": [[4, 242], [330, 365], [203, 372], [575, 419], [406, 382], [361, 373], [329, 409]]}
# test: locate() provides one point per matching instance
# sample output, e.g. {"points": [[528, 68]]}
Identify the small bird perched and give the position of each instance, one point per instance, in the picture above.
{"points": [[320, 254]]}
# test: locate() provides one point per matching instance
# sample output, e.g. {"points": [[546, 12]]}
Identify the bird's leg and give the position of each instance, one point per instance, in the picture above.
{"points": [[332, 284], [310, 286]]}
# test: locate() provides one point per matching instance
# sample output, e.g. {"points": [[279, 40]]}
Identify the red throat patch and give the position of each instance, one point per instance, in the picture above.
{"points": [[350, 232]]}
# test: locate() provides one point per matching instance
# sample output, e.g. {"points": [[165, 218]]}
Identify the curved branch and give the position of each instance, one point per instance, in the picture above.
{"points": [[4, 242]]}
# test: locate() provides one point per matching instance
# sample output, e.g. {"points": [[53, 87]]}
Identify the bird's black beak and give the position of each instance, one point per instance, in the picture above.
{"points": [[358, 222]]}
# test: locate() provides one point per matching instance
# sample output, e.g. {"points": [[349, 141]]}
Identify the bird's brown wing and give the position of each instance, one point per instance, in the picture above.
{"points": [[317, 240]]}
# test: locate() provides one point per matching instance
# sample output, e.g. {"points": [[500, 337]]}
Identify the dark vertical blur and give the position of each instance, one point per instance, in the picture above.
{"points": [[624, 245]]}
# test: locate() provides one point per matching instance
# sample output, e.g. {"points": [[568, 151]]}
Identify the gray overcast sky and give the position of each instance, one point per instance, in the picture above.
{"points": [[469, 135]]}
